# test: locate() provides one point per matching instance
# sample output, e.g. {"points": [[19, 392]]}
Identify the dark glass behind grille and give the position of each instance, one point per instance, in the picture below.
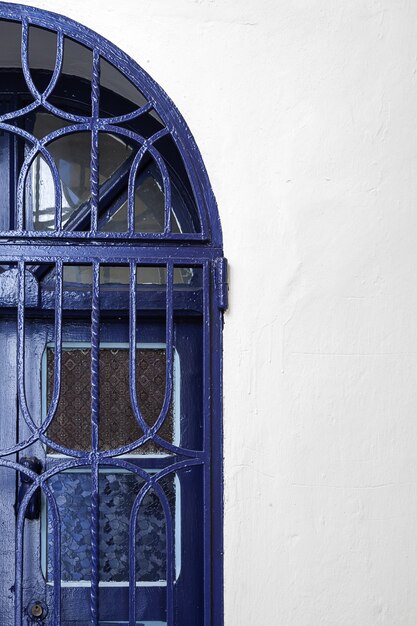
{"points": [[71, 426], [118, 492]]}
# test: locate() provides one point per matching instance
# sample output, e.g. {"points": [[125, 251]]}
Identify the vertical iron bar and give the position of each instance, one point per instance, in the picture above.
{"points": [[56, 522], [95, 344], [21, 348], [132, 348], [170, 558], [57, 70], [94, 166], [169, 350], [131, 226], [168, 201], [58, 346], [95, 408], [132, 553], [20, 528], [216, 457], [207, 442]]}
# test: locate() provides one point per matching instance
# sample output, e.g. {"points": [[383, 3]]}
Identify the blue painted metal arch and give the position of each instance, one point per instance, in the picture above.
{"points": [[160, 101]]}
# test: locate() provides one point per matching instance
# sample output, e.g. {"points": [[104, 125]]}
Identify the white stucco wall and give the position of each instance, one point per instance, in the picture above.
{"points": [[305, 112]]}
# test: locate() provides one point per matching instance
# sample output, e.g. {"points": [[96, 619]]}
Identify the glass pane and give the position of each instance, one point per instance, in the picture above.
{"points": [[157, 275], [146, 124], [183, 200], [114, 151], [10, 44], [117, 492], [10, 144], [149, 207], [45, 123], [112, 81], [71, 426], [72, 156], [40, 196], [118, 222], [73, 88], [42, 55], [77, 275]]}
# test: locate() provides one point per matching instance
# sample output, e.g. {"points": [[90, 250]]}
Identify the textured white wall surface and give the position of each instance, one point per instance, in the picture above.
{"points": [[305, 112]]}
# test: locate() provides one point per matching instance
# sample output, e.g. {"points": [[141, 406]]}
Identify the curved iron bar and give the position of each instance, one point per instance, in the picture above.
{"points": [[132, 354], [58, 348], [130, 467], [18, 447], [131, 189], [21, 349], [169, 349], [166, 179], [170, 448], [57, 447], [21, 184], [202, 193], [20, 524], [147, 488], [40, 97], [18, 113], [170, 555], [37, 484], [56, 525], [14, 465], [127, 117], [39, 145], [58, 64], [38, 431]]}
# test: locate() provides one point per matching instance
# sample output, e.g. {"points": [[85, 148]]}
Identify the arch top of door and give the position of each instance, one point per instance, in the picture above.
{"points": [[153, 129]]}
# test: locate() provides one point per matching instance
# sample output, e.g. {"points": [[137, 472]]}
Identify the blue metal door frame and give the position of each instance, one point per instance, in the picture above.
{"points": [[22, 249]]}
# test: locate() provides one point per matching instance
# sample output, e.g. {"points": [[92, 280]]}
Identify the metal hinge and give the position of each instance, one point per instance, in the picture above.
{"points": [[221, 283]]}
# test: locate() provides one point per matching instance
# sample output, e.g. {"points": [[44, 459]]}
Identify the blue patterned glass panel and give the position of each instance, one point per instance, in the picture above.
{"points": [[118, 491]]}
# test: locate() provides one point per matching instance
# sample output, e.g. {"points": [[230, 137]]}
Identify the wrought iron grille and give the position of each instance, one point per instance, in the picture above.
{"points": [[129, 494]]}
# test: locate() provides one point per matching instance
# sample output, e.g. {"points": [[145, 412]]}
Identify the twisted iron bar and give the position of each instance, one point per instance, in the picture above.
{"points": [[95, 412], [94, 163]]}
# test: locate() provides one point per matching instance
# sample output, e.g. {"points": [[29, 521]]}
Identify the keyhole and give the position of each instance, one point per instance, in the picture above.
{"points": [[37, 610]]}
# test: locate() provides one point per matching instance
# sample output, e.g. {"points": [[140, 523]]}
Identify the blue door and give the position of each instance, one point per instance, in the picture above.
{"points": [[140, 525], [112, 290]]}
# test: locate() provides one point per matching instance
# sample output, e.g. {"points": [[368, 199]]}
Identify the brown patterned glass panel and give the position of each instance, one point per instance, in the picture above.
{"points": [[71, 426]]}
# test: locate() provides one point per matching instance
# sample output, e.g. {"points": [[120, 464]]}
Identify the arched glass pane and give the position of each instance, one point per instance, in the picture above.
{"points": [[113, 81], [73, 88], [10, 44], [42, 47], [71, 154], [149, 207]]}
